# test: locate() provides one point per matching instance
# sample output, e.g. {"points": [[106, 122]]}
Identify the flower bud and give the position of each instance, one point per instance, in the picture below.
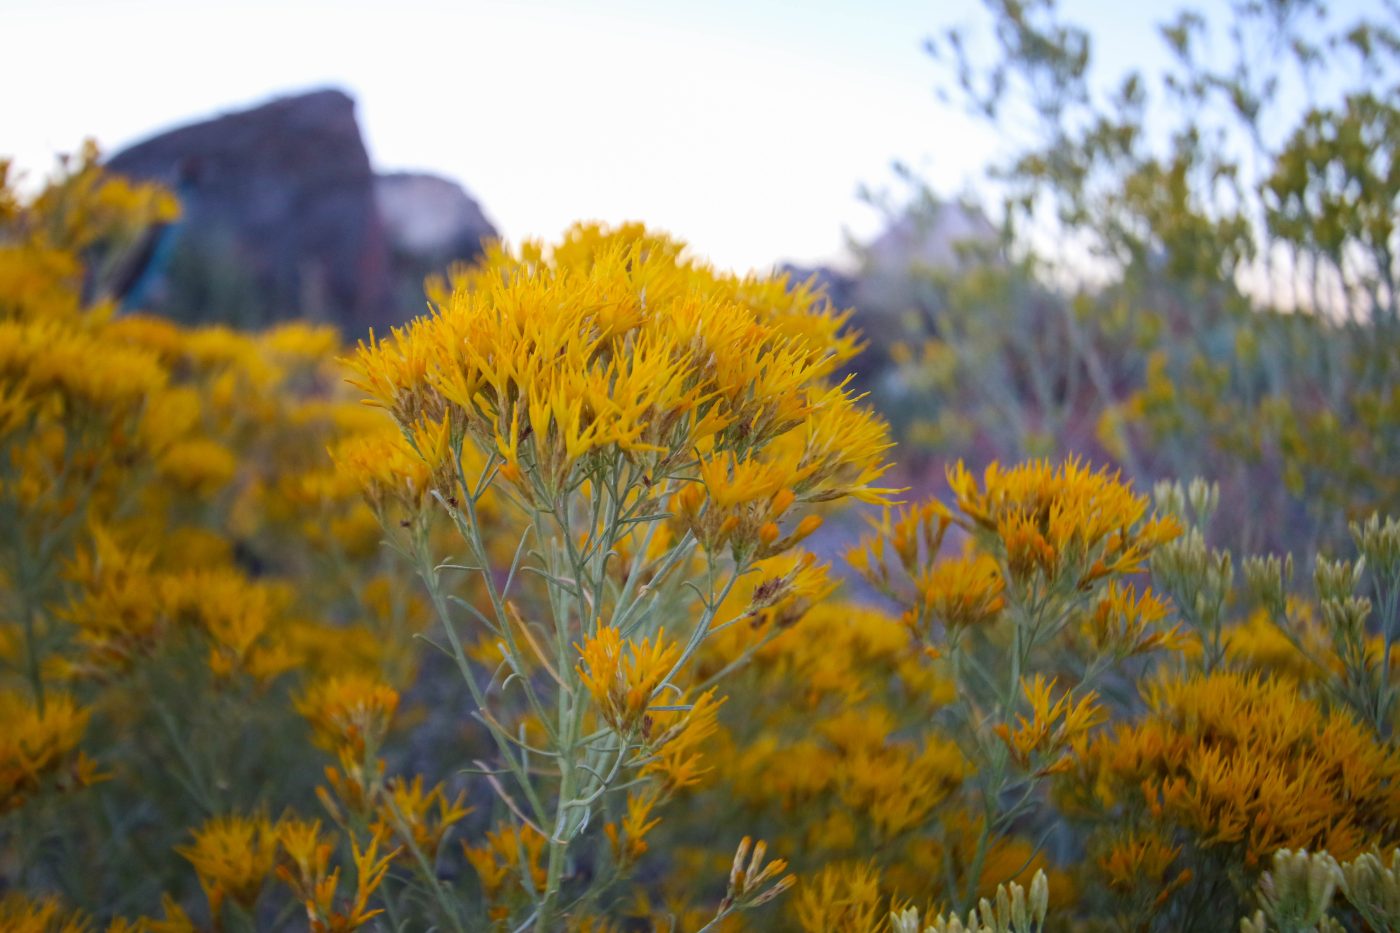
{"points": [[1040, 897]]}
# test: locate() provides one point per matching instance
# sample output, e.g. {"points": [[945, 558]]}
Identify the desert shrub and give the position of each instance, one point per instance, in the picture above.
{"points": [[532, 640]]}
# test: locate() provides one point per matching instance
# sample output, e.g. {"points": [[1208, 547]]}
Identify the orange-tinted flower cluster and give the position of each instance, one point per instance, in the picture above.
{"points": [[1052, 520], [39, 744], [1248, 765], [624, 680]]}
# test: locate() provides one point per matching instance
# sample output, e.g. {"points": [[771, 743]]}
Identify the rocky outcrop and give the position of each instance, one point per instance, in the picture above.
{"points": [[281, 195], [284, 217], [930, 240], [935, 236], [897, 273], [429, 216], [430, 222]]}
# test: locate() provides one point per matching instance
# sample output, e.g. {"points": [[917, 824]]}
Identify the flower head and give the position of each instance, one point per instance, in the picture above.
{"points": [[353, 711], [37, 744], [1053, 520], [233, 856], [623, 676]]}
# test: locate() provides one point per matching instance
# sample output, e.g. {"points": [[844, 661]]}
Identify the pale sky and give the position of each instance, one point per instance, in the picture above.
{"points": [[745, 128]]}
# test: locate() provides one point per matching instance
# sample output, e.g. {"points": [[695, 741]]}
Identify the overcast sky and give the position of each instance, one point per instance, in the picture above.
{"points": [[746, 128]]}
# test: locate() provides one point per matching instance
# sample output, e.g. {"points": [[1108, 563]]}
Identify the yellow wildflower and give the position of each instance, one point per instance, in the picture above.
{"points": [[1249, 764], [960, 592], [78, 367], [623, 677], [497, 861], [628, 839], [119, 610], [352, 710], [306, 871], [1134, 860], [1051, 727], [38, 743], [1124, 623], [549, 360], [674, 739], [1066, 518], [22, 914], [419, 817], [386, 468], [233, 856], [199, 466], [841, 898]]}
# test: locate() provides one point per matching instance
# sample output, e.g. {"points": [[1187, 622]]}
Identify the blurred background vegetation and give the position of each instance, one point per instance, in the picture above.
{"points": [[1192, 274]]}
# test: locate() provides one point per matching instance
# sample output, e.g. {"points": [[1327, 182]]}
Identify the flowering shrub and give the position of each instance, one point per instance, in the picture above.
{"points": [[531, 641]]}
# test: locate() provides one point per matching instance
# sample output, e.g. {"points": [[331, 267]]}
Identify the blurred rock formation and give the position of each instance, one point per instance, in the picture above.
{"points": [[431, 223], [900, 274], [931, 239], [284, 217]]}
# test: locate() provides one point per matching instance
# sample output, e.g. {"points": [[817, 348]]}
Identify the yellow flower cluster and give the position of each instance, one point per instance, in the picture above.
{"points": [[123, 610], [1050, 729], [624, 681], [1248, 765], [498, 862], [305, 869], [1045, 532], [354, 710], [235, 856], [420, 817], [21, 914], [628, 836], [1053, 520], [40, 743], [614, 344], [350, 717], [825, 746]]}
